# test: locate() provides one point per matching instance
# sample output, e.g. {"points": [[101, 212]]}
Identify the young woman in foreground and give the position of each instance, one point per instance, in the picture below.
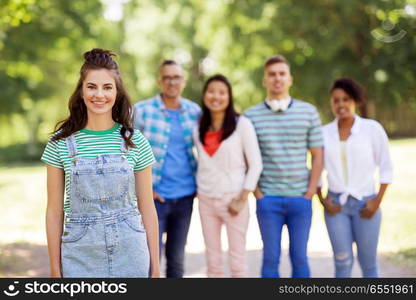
{"points": [[106, 225]]}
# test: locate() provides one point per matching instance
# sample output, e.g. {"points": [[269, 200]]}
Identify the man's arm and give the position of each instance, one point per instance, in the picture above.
{"points": [[317, 165], [138, 118]]}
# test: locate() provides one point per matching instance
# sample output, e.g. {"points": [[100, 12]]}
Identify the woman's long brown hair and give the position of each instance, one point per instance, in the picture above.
{"points": [[122, 110]]}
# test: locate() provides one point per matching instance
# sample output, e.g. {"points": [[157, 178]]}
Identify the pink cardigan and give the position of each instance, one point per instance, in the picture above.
{"points": [[235, 166]]}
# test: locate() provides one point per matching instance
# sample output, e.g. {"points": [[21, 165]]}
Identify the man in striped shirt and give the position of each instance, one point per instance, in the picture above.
{"points": [[287, 129]]}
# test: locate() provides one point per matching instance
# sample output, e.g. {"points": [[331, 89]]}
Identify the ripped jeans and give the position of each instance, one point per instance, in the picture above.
{"points": [[347, 227]]}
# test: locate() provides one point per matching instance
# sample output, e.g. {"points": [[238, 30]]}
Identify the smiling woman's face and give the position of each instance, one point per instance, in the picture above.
{"points": [[99, 92], [343, 106], [217, 97]]}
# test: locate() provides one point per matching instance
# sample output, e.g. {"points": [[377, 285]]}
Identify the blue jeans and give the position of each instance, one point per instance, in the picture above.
{"points": [[272, 213], [347, 227], [174, 218]]}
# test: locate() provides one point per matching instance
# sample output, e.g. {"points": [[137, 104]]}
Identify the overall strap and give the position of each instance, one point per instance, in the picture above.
{"points": [[71, 145], [123, 146]]}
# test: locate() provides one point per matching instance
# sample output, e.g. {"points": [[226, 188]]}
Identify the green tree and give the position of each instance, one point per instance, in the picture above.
{"points": [[323, 40], [41, 46]]}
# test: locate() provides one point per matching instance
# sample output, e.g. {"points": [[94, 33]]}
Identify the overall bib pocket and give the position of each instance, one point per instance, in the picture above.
{"points": [[94, 185]]}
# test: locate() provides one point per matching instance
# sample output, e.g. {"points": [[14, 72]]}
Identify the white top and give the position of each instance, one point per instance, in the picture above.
{"points": [[344, 165], [236, 165], [367, 149]]}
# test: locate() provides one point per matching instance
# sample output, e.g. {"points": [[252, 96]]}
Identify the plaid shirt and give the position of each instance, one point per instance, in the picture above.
{"points": [[152, 119]]}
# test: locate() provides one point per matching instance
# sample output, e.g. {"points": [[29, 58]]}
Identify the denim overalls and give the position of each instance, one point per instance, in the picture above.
{"points": [[104, 235]]}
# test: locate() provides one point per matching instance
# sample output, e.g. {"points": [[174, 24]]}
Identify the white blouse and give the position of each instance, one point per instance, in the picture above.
{"points": [[367, 150], [236, 165]]}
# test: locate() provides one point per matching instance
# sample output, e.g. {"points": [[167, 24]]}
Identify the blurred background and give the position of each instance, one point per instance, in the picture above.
{"points": [[41, 47]]}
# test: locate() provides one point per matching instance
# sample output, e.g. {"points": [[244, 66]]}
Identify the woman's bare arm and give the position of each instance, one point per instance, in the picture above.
{"points": [[54, 217], [148, 211]]}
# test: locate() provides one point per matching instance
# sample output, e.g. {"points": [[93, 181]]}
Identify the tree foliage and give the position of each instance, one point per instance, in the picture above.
{"points": [[323, 40], [42, 41], [41, 47]]}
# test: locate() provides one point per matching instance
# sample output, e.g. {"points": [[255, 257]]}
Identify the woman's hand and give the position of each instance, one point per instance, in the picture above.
{"points": [[330, 208], [238, 203], [236, 206], [370, 208], [155, 274], [56, 274]]}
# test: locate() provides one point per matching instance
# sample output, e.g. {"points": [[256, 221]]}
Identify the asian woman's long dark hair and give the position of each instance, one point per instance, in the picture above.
{"points": [[97, 59], [230, 118]]}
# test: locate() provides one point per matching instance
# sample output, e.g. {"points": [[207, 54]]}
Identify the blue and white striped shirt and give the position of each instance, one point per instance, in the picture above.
{"points": [[284, 139]]}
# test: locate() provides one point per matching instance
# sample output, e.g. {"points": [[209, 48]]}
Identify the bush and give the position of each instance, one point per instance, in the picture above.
{"points": [[21, 153]]}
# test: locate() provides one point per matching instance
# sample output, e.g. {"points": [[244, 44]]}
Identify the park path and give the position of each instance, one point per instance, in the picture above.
{"points": [[30, 260]]}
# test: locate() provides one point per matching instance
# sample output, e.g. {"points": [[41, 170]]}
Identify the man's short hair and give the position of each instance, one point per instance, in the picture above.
{"points": [[168, 62], [276, 59]]}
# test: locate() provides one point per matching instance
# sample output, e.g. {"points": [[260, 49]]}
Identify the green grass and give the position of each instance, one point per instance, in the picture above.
{"points": [[399, 208], [23, 203]]}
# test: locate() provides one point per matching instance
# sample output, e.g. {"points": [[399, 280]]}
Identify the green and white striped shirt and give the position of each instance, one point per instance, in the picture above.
{"points": [[92, 143]]}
